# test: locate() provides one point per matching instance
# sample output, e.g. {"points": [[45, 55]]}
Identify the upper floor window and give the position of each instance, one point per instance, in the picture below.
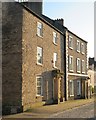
{"points": [[70, 63], [83, 66], [55, 60], [39, 55], [78, 65], [70, 42], [54, 38], [78, 46], [82, 48], [39, 29], [39, 85]]}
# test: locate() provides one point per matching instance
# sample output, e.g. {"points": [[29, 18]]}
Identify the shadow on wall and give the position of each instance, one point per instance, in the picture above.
{"points": [[11, 57], [48, 87], [53, 88]]}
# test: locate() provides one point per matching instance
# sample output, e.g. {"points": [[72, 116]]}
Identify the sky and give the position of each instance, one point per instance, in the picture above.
{"points": [[78, 18]]}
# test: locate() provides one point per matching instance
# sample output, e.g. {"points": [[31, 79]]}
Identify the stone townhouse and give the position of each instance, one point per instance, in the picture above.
{"points": [[92, 74], [76, 66], [42, 59], [32, 59]]}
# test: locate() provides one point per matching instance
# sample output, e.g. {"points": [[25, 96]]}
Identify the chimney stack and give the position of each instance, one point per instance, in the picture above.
{"points": [[35, 6], [60, 21]]}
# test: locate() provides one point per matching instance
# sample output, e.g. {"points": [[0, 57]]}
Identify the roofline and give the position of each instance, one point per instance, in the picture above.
{"points": [[77, 36], [38, 16]]}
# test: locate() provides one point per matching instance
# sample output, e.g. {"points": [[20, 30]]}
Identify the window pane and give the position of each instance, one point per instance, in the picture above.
{"points": [[82, 48], [39, 55], [78, 65], [55, 60], [39, 85], [40, 29], [70, 63], [78, 45], [39, 82], [70, 42], [39, 90], [40, 60], [55, 37], [83, 66], [71, 88]]}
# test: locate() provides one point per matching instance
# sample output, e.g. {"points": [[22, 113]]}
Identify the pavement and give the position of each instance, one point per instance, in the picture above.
{"points": [[48, 110]]}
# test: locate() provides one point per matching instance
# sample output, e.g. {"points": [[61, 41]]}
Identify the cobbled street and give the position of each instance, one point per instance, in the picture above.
{"points": [[85, 111]]}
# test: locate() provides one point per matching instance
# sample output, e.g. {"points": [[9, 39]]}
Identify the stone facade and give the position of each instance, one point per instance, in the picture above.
{"points": [[73, 75], [30, 68], [20, 68]]}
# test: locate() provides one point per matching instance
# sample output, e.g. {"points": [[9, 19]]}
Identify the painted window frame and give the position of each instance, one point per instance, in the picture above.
{"points": [[78, 59], [40, 48], [39, 76], [82, 50], [83, 66], [39, 29], [55, 59], [71, 58], [78, 87], [71, 82], [78, 46], [70, 40], [55, 38]]}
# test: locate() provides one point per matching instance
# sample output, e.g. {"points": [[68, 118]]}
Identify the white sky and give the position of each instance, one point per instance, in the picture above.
{"points": [[78, 17]]}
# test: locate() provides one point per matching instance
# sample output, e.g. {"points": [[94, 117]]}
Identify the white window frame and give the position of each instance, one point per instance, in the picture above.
{"points": [[78, 87], [71, 58], [82, 50], [40, 48], [55, 38], [39, 76], [71, 40], [71, 88], [78, 59], [39, 29], [83, 66], [78, 46], [55, 59]]}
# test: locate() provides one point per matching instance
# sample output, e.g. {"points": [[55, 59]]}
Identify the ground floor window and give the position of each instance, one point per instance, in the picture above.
{"points": [[78, 87], [71, 83], [39, 82]]}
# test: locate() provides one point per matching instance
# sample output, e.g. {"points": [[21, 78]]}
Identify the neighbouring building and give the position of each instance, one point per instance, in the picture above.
{"points": [[76, 66], [91, 74], [41, 59]]}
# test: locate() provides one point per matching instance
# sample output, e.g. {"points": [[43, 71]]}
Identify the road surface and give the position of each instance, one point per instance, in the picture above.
{"points": [[85, 111]]}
